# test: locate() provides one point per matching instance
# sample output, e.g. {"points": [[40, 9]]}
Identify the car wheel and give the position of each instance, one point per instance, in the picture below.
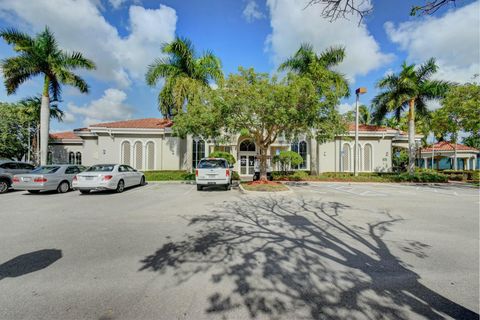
{"points": [[63, 187], [120, 186], [199, 188], [142, 181], [4, 185], [33, 191], [84, 191]]}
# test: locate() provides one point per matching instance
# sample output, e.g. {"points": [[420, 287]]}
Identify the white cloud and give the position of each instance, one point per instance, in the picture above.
{"points": [[110, 107], [68, 117], [453, 39], [292, 25], [79, 25], [252, 11], [116, 3], [345, 107]]}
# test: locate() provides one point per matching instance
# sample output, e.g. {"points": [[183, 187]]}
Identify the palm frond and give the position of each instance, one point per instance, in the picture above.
{"points": [[20, 41], [332, 56], [427, 69], [161, 68], [67, 77], [17, 70], [435, 89], [76, 60]]}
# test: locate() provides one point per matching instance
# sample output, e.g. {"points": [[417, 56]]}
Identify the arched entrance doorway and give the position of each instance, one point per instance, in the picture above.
{"points": [[246, 155]]}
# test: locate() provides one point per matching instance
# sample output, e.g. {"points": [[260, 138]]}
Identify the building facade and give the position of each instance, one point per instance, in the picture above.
{"points": [[148, 144]]}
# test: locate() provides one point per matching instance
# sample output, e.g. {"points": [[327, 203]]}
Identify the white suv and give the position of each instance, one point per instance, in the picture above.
{"points": [[213, 171]]}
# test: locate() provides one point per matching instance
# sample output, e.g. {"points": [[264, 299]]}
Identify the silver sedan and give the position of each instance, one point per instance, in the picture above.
{"points": [[108, 177], [44, 178]]}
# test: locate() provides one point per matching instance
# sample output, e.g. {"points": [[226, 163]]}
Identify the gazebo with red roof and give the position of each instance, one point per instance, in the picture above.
{"points": [[466, 156]]}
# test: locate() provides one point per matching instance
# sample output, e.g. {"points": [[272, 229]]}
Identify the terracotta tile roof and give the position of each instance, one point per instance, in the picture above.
{"points": [[448, 146], [64, 135], [368, 127], [149, 123]]}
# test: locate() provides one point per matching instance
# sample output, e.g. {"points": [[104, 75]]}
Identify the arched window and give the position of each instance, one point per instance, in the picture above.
{"points": [[247, 145], [367, 158], [78, 158], [301, 149], [71, 158], [138, 155], [150, 150], [346, 157], [49, 157], [198, 152], [126, 152]]}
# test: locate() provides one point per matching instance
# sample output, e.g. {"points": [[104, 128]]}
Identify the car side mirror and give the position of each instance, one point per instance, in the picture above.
{"points": [[231, 166]]}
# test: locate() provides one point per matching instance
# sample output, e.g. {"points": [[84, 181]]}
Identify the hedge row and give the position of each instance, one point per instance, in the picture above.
{"points": [[176, 175]]}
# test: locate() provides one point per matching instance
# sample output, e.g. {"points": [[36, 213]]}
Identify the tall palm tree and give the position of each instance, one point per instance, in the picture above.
{"points": [[184, 73], [410, 89], [306, 62], [40, 55]]}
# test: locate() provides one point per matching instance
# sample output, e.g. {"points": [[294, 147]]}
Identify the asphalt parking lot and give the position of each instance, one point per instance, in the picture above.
{"points": [[166, 251]]}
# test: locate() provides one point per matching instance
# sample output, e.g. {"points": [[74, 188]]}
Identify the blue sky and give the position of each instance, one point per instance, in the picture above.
{"points": [[123, 37]]}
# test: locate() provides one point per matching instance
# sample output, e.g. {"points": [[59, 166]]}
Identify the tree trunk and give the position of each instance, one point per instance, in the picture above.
{"points": [[263, 163], [44, 122], [411, 136]]}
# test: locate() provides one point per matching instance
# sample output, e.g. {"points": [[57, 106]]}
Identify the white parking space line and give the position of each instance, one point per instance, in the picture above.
{"points": [[189, 190]]}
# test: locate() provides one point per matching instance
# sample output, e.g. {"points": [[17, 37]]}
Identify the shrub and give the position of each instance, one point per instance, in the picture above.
{"points": [[235, 175], [287, 159], [225, 155], [299, 176], [421, 177], [168, 175]]}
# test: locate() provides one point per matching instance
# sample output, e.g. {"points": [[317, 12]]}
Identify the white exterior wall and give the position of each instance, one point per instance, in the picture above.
{"points": [[173, 153]]}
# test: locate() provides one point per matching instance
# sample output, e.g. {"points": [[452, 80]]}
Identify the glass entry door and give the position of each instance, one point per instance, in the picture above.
{"points": [[247, 164]]}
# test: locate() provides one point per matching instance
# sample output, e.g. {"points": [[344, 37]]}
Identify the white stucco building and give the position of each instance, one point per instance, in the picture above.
{"points": [[148, 144]]}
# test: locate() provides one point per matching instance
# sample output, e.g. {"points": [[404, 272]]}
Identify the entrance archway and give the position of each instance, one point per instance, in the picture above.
{"points": [[246, 155]]}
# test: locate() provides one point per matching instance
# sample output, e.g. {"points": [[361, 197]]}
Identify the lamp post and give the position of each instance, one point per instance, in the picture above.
{"points": [[358, 92]]}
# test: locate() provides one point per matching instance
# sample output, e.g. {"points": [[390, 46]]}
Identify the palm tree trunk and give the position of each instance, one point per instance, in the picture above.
{"points": [[411, 136], [44, 122]]}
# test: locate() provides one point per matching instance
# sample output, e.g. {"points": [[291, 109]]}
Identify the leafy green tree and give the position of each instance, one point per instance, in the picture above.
{"points": [[287, 160], [473, 141], [14, 132], [411, 88], [459, 112], [42, 56], [185, 75], [225, 155], [262, 108]]}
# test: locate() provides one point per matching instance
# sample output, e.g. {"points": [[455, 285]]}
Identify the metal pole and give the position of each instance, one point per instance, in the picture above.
{"points": [[28, 152], [355, 151]]}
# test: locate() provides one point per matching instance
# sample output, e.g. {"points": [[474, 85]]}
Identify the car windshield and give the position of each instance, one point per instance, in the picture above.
{"points": [[101, 168], [212, 164], [46, 169]]}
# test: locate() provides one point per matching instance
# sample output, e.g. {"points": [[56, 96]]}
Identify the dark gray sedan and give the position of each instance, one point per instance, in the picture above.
{"points": [[45, 178]]}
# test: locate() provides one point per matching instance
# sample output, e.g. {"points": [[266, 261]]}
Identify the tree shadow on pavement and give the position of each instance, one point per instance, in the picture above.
{"points": [[297, 259], [29, 262]]}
